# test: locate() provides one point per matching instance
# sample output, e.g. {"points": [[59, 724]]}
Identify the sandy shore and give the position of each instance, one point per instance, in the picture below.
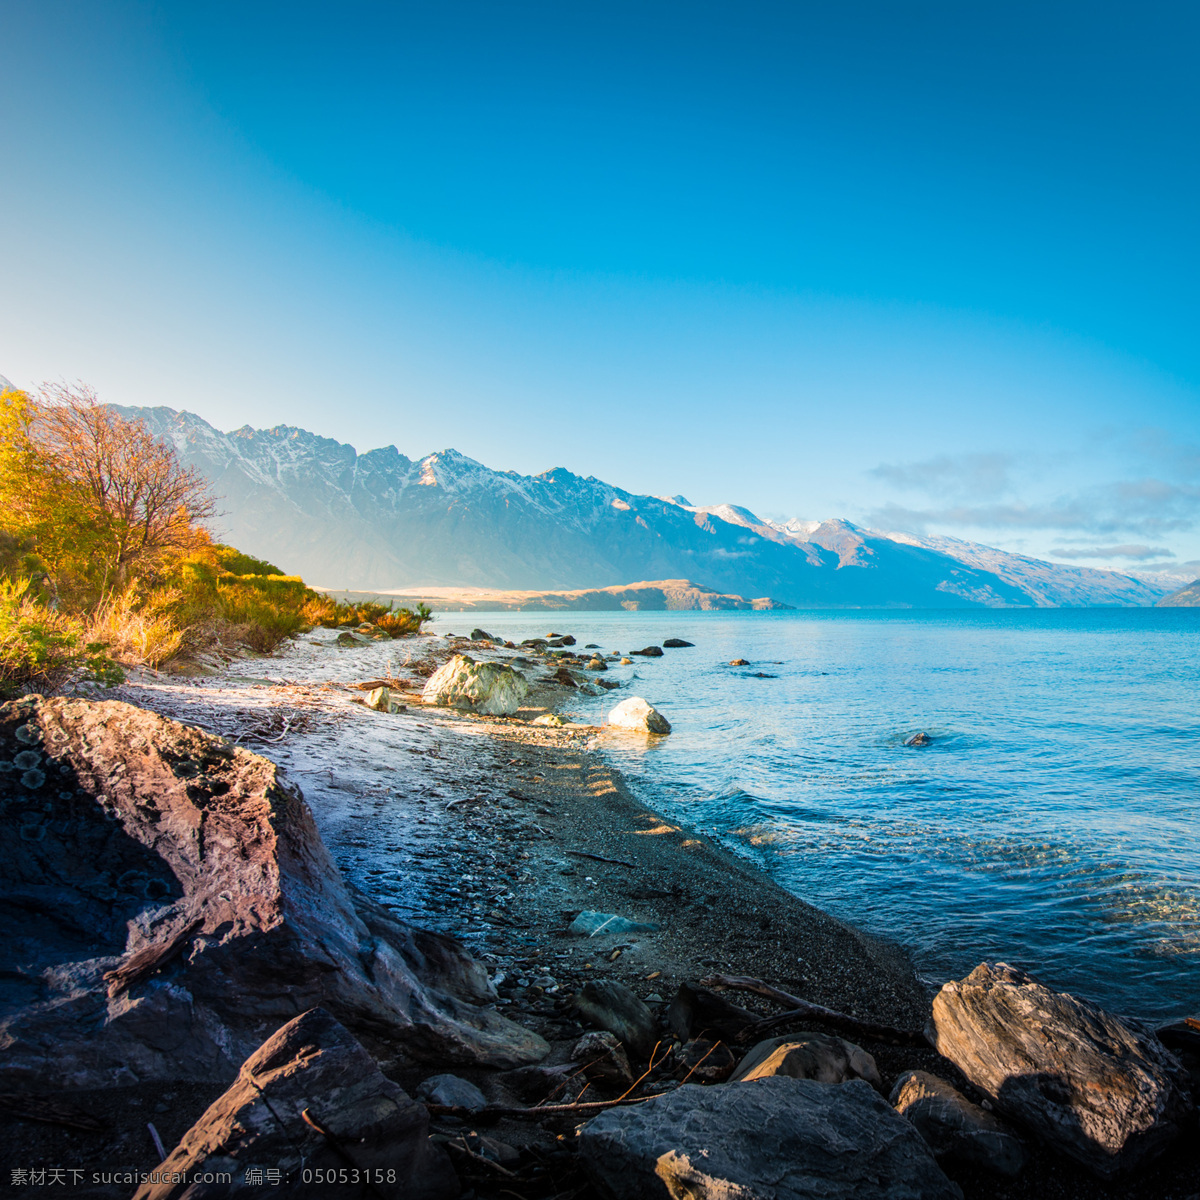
{"points": [[493, 830]]}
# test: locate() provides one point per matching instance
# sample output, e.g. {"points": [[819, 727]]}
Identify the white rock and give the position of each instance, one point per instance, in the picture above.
{"points": [[492, 688], [636, 713]]}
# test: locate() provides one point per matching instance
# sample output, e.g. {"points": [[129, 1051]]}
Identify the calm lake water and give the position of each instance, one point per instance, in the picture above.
{"points": [[1053, 823]]}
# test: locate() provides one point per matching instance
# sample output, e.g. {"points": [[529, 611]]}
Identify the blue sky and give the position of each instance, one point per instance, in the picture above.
{"points": [[928, 266]]}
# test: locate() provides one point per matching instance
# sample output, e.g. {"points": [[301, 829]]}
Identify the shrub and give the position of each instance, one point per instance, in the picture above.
{"points": [[39, 648]]}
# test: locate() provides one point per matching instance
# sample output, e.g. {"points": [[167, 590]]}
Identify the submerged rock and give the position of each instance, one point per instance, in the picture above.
{"points": [[491, 688], [177, 902], [955, 1128], [739, 662], [1077, 1077], [548, 719], [356, 1120], [639, 714], [612, 1006], [919, 739], [775, 1139], [820, 1056]]}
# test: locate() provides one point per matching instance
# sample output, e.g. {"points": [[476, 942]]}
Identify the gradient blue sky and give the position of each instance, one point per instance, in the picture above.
{"points": [[925, 265]]}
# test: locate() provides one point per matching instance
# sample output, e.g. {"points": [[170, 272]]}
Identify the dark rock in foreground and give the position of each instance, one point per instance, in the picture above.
{"points": [[311, 1104], [610, 1005], [955, 1128], [774, 1139], [824, 1057], [1074, 1075], [167, 903]]}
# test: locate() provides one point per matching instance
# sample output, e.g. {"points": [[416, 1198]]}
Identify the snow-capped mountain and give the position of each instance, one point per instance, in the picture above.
{"points": [[380, 520]]}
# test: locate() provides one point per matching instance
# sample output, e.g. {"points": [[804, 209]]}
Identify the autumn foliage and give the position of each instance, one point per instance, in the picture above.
{"points": [[106, 558]]}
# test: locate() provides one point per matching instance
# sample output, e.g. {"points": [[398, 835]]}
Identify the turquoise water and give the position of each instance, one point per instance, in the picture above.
{"points": [[1053, 823]]}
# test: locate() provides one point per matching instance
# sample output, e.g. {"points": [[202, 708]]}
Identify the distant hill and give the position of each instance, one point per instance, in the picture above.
{"points": [[676, 595], [1186, 597], [380, 521]]}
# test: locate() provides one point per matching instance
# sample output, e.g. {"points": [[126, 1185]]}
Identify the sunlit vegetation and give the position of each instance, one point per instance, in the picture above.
{"points": [[106, 560]]}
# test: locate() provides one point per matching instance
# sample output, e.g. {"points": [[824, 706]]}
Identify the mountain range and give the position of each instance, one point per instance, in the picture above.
{"points": [[381, 521]]}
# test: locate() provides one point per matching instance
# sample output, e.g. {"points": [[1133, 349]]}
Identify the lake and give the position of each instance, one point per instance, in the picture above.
{"points": [[1051, 823]]}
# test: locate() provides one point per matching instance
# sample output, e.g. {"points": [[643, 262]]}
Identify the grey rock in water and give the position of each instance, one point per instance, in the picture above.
{"points": [[638, 714], [491, 688], [172, 902], [649, 652], [919, 739], [1080, 1079], [451, 1090], [677, 643], [820, 1056], [364, 1122], [612, 1006], [955, 1128], [482, 635], [591, 924], [604, 1058], [775, 1139], [597, 664]]}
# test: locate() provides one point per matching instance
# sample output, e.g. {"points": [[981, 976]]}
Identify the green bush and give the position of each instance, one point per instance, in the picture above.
{"points": [[39, 648]]}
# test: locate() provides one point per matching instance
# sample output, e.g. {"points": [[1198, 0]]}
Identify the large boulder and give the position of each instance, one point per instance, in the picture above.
{"points": [[311, 1104], [492, 688], [639, 714], [167, 902], [820, 1056], [1080, 1079], [775, 1139], [955, 1128]]}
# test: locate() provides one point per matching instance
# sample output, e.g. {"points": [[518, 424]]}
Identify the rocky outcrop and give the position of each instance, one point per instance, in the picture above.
{"points": [[639, 714], [311, 1104], [775, 1139], [495, 689], [953, 1127], [820, 1056], [167, 902], [1077, 1077]]}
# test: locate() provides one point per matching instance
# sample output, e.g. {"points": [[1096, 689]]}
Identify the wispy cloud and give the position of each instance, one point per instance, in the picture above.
{"points": [[1133, 552], [991, 491], [984, 476]]}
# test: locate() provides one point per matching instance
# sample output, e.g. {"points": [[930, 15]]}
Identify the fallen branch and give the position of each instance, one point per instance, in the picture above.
{"points": [[495, 1112], [806, 1010], [620, 862]]}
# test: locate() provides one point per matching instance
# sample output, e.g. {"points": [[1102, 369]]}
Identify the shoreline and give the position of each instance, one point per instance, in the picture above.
{"points": [[492, 830]]}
